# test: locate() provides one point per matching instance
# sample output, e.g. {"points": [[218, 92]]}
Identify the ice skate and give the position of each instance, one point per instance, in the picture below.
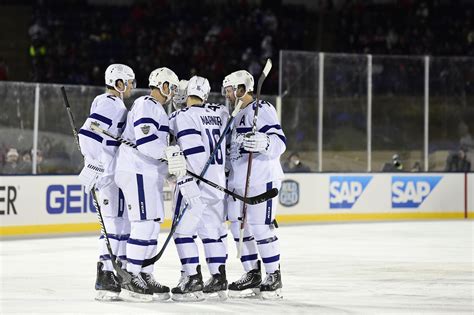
{"points": [[137, 290], [248, 285], [160, 292], [106, 284], [189, 290], [270, 289], [216, 286]]}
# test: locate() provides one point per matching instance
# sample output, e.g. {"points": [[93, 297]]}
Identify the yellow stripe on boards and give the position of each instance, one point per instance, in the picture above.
{"points": [[57, 228], [282, 219]]}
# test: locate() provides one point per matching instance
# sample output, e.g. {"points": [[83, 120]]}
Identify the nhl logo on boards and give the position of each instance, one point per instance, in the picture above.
{"points": [[145, 129], [289, 193]]}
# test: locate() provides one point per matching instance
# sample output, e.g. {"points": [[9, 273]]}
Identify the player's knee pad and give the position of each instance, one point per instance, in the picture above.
{"points": [[191, 219], [113, 225], [142, 230], [209, 232], [262, 231]]}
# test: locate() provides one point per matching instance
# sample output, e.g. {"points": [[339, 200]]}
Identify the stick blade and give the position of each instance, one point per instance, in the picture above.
{"points": [[269, 194], [268, 67]]}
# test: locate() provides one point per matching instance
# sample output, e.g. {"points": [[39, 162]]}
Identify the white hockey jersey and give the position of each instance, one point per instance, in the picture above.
{"points": [[147, 126], [266, 167], [109, 112], [197, 130]]}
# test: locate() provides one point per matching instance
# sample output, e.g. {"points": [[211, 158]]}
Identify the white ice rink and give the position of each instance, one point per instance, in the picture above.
{"points": [[364, 268]]}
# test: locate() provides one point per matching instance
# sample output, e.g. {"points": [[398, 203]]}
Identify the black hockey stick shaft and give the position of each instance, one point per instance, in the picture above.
{"points": [[249, 200], [177, 217], [263, 76], [123, 274]]}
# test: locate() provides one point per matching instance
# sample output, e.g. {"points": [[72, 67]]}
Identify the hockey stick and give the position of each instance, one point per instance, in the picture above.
{"points": [[126, 277], [177, 218], [249, 200], [263, 76]]}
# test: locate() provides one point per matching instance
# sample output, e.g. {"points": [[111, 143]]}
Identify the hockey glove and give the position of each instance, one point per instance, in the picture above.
{"points": [[190, 190], [91, 173], [176, 161], [256, 142]]}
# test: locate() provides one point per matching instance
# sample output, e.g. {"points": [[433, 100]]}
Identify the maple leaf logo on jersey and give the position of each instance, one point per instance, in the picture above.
{"points": [[145, 129]]}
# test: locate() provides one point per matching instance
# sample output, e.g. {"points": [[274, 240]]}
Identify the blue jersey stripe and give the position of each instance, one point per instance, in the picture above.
{"points": [[210, 240], [190, 260], [141, 197], [194, 150], [270, 259], [187, 132], [111, 236], [121, 124], [215, 260], [243, 129], [135, 261], [267, 240], [245, 239], [183, 240], [138, 242], [104, 257], [282, 138], [164, 128], [101, 118], [268, 127], [248, 257], [146, 139], [146, 120], [112, 143], [91, 135]]}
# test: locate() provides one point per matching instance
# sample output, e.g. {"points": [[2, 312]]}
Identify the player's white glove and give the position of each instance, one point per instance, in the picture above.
{"points": [[91, 173], [256, 142], [176, 161], [190, 190], [235, 145]]}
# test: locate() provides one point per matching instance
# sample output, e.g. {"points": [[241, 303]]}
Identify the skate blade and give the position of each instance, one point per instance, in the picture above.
{"points": [[245, 294], [189, 297], [216, 296], [272, 295], [161, 296], [135, 297], [107, 296]]}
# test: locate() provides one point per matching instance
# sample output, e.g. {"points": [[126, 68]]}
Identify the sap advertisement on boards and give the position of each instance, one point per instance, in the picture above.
{"points": [[372, 193]]}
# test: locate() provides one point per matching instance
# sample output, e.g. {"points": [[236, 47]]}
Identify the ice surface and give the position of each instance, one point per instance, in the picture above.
{"points": [[365, 268]]}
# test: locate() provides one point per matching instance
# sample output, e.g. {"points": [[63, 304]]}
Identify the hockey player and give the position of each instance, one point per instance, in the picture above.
{"points": [[141, 177], [268, 143], [109, 112], [198, 129]]}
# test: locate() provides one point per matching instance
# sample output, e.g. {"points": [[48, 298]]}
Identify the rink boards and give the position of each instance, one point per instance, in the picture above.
{"points": [[58, 204]]}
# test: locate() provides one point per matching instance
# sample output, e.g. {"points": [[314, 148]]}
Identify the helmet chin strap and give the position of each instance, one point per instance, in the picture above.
{"points": [[121, 92], [168, 97]]}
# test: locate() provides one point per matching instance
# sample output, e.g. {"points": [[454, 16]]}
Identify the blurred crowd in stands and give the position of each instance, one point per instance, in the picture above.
{"points": [[72, 41]]}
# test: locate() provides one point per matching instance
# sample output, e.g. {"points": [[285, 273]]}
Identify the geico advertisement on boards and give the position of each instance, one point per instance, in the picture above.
{"points": [[372, 193], [36, 200]]}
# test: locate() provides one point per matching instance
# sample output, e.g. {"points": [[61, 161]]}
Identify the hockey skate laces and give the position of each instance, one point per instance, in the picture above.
{"points": [[245, 277]]}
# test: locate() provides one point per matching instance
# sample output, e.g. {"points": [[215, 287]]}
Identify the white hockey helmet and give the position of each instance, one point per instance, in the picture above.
{"points": [[119, 71], [237, 78], [199, 86], [160, 76], [179, 99]]}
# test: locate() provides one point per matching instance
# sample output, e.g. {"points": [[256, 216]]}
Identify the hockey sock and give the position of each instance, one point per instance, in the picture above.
{"points": [[122, 249], [214, 248], [188, 252], [113, 225], [151, 249], [137, 244], [268, 246], [249, 249]]}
